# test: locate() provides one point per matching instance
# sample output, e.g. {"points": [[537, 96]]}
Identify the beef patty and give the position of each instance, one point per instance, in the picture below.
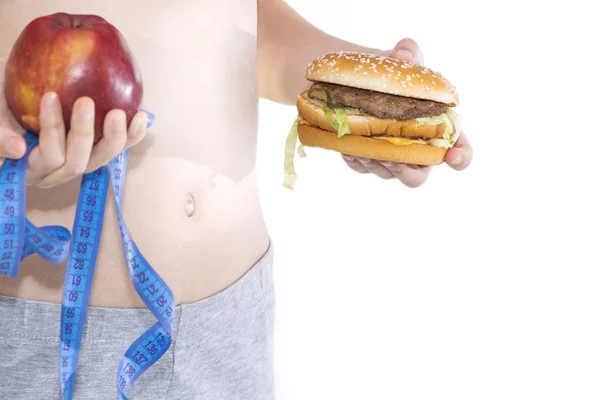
{"points": [[382, 105]]}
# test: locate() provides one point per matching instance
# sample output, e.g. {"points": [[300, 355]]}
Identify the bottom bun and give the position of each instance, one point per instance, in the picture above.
{"points": [[362, 146]]}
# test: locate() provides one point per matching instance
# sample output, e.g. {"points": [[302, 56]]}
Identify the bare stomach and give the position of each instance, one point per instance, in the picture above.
{"points": [[190, 199], [198, 231]]}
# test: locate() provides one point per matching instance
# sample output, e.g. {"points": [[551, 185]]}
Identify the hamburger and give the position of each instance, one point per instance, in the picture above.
{"points": [[374, 107]]}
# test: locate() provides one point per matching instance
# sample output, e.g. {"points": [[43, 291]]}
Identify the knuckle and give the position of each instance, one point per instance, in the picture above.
{"points": [[413, 44], [82, 131], [56, 161], [118, 137], [358, 168], [47, 165], [74, 169], [54, 124]]}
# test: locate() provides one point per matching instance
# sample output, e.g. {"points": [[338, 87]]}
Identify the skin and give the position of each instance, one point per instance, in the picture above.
{"points": [[286, 41], [459, 157], [182, 177], [61, 157]]}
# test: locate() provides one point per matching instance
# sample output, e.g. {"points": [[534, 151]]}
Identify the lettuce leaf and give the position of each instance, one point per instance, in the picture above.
{"points": [[301, 151], [338, 120], [289, 174]]}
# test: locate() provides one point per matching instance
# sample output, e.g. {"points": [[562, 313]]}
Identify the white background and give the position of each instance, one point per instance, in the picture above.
{"points": [[482, 284]]}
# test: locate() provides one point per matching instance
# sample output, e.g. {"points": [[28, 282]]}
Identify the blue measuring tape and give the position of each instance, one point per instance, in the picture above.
{"points": [[20, 238]]}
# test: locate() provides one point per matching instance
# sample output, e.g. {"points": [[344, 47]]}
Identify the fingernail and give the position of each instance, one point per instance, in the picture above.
{"points": [[404, 55], [386, 163], [151, 118], [365, 161], [347, 157], [52, 99], [456, 161]]}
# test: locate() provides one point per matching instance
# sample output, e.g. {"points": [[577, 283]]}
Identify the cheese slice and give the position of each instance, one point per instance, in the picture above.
{"points": [[399, 141]]}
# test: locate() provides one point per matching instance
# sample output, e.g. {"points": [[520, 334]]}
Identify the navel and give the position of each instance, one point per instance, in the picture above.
{"points": [[190, 205]]}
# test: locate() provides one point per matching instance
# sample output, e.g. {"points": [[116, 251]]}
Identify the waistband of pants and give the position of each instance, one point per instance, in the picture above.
{"points": [[36, 320]]}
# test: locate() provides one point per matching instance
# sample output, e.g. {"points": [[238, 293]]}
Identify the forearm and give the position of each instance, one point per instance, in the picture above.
{"points": [[286, 44]]}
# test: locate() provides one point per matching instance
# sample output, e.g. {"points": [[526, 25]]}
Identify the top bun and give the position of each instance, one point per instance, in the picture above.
{"points": [[382, 74]]}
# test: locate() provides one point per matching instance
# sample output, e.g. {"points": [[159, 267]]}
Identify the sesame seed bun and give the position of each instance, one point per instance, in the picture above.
{"points": [[366, 125], [363, 146], [382, 74]]}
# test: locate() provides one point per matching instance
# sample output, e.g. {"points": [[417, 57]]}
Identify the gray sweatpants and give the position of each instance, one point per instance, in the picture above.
{"points": [[222, 347]]}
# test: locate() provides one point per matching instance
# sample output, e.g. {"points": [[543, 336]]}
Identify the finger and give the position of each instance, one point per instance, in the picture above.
{"points": [[114, 137], [460, 156], [137, 129], [13, 145], [354, 164], [49, 154], [79, 144], [410, 175], [376, 168], [408, 50], [151, 118]]}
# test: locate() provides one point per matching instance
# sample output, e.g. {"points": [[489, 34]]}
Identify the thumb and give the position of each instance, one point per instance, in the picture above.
{"points": [[408, 50]]}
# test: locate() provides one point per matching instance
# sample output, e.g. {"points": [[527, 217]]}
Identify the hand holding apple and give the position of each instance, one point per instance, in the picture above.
{"points": [[72, 80], [74, 56]]}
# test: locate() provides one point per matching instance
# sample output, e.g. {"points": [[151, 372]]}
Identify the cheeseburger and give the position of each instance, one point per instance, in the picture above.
{"points": [[375, 107]]}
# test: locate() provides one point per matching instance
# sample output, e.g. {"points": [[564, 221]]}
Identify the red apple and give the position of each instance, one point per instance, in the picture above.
{"points": [[74, 56]]}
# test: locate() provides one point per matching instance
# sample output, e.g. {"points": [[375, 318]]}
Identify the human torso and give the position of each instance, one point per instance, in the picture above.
{"points": [[198, 61]]}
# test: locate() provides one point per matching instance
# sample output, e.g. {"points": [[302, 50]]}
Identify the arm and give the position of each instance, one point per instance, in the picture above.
{"points": [[286, 44]]}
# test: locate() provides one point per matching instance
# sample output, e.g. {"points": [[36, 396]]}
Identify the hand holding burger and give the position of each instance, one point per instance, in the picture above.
{"points": [[387, 115], [458, 157]]}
